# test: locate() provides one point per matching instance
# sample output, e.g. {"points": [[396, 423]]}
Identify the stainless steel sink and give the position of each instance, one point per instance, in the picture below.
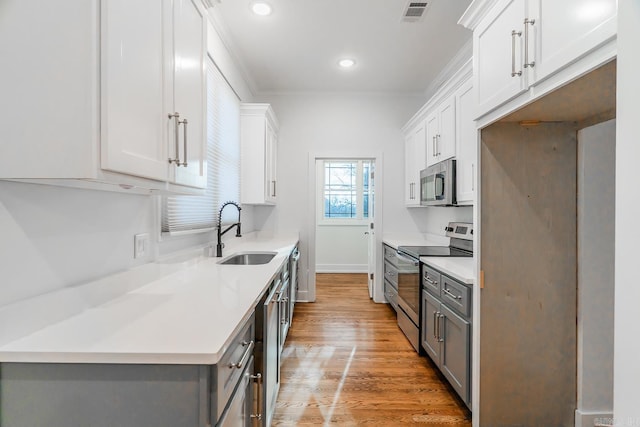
{"points": [[248, 258]]}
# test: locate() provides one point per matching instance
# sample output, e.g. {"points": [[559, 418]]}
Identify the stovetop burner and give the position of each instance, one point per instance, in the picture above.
{"points": [[461, 244], [439, 251]]}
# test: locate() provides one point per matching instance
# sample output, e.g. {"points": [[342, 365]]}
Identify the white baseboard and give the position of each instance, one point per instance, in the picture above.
{"points": [[342, 268], [591, 419]]}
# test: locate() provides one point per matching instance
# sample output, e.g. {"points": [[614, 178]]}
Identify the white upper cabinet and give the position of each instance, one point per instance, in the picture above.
{"points": [[441, 132], [498, 55], [153, 90], [520, 43], [94, 105], [258, 154], [466, 144], [414, 162]]}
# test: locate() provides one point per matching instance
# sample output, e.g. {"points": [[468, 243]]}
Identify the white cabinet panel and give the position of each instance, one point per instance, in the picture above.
{"points": [[189, 90], [466, 144], [498, 52], [258, 154], [49, 88], [447, 137], [568, 29], [133, 104], [414, 156]]}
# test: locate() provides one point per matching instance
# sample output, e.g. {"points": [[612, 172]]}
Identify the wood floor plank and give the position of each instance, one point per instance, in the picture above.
{"points": [[347, 363]]}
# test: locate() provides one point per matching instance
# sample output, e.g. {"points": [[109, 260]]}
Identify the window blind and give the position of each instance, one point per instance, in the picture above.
{"points": [[184, 214]]}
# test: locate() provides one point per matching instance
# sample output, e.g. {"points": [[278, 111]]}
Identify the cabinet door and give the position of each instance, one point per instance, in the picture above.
{"points": [[271, 150], [189, 91], [414, 162], [568, 29], [446, 140], [429, 335], [456, 345], [133, 88], [433, 127], [498, 53], [466, 144], [409, 154]]}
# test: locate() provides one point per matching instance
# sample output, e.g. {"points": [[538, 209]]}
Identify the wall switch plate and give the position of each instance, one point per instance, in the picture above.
{"points": [[140, 245]]}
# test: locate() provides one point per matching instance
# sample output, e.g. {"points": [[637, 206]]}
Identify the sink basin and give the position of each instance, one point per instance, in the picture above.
{"points": [[248, 258]]}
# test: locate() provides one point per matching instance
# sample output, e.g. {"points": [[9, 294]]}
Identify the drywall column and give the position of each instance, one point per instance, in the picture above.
{"points": [[596, 242], [627, 290]]}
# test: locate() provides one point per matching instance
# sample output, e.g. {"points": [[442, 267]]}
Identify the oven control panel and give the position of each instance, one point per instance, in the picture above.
{"points": [[460, 230]]}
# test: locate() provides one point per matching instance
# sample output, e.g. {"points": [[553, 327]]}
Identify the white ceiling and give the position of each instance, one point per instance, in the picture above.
{"points": [[297, 47]]}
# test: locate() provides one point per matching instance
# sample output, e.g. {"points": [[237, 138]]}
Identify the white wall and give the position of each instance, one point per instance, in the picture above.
{"points": [[432, 220], [54, 237], [627, 291], [335, 123], [596, 242], [341, 249]]}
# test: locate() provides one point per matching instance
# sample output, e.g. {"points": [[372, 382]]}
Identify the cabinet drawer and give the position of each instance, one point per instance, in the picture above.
{"points": [[391, 294], [229, 369], [389, 253], [391, 274], [456, 296], [431, 280]]}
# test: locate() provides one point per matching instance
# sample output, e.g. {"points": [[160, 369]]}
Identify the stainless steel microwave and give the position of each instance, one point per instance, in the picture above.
{"points": [[438, 184]]}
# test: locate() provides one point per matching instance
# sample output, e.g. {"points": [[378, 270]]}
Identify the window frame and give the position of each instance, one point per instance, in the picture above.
{"points": [[359, 219]]}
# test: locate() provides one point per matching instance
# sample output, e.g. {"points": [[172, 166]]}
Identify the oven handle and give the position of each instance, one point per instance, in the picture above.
{"points": [[408, 258]]}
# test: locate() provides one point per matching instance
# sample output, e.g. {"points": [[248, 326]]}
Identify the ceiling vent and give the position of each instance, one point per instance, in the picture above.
{"points": [[415, 11]]}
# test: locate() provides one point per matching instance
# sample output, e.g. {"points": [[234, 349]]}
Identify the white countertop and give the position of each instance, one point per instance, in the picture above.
{"points": [[186, 311], [460, 268]]}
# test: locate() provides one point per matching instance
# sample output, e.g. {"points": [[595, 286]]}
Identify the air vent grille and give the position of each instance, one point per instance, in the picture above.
{"points": [[414, 11]]}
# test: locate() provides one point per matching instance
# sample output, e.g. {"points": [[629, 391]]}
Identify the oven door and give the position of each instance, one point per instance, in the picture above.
{"points": [[409, 286]]}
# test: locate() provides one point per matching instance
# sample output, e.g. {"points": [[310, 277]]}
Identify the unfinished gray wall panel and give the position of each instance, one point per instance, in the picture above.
{"points": [[528, 254]]}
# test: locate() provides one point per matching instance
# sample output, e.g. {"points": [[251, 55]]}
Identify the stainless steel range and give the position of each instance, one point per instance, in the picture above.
{"points": [[407, 266]]}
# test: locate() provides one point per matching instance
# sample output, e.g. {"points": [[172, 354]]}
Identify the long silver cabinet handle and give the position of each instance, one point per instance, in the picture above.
{"points": [[514, 33], [176, 118], [185, 123], [440, 324], [473, 177], [258, 378], [527, 22], [450, 294], [435, 322], [245, 355]]}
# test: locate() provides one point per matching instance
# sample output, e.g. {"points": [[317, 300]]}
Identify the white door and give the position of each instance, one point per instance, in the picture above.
{"points": [[371, 243]]}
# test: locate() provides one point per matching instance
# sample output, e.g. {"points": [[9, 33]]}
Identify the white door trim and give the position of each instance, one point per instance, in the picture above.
{"points": [[378, 290]]}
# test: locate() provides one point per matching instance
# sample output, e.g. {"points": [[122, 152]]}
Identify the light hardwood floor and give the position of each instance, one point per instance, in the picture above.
{"points": [[346, 363]]}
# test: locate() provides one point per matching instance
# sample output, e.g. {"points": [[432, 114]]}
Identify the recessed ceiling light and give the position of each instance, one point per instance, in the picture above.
{"points": [[261, 8], [347, 63]]}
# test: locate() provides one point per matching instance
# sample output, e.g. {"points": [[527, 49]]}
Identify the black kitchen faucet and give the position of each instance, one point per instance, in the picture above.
{"points": [[220, 245]]}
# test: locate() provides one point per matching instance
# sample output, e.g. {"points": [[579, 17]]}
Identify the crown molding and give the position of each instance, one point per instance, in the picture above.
{"points": [[475, 12]]}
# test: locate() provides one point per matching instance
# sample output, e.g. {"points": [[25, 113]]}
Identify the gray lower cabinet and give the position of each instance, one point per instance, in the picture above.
{"points": [[446, 329], [390, 276], [131, 395]]}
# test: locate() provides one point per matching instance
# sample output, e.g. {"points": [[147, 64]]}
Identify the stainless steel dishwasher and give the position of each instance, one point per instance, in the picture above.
{"points": [[267, 352]]}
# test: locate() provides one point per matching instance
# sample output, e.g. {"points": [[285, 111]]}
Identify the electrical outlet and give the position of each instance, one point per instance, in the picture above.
{"points": [[140, 245]]}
